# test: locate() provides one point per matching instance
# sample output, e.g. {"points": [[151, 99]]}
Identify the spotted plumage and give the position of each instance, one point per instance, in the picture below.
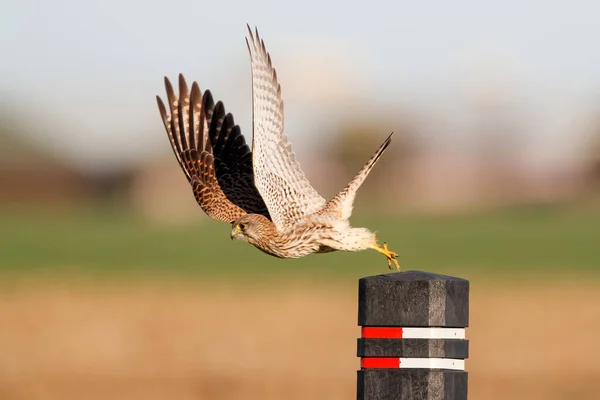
{"points": [[263, 193]]}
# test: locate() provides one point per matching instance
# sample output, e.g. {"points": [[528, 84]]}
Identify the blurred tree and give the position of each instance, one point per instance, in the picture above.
{"points": [[30, 173], [593, 159]]}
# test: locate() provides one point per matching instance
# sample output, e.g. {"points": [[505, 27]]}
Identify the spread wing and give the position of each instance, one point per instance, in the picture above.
{"points": [[340, 206], [278, 176], [212, 153]]}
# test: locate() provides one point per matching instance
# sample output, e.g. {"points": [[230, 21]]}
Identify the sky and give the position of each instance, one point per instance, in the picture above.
{"points": [[86, 74]]}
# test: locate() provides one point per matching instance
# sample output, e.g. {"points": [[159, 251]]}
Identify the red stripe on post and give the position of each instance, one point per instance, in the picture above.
{"points": [[380, 362], [380, 332]]}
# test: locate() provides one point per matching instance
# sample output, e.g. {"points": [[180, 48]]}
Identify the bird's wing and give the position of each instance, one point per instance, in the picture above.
{"points": [[340, 206], [212, 153], [277, 175]]}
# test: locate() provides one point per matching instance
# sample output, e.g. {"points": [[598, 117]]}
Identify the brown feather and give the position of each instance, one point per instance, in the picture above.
{"points": [[221, 177]]}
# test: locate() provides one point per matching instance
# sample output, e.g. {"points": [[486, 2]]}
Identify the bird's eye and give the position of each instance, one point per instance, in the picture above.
{"points": [[242, 227]]}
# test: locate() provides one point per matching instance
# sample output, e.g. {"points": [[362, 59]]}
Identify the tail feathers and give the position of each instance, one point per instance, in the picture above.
{"points": [[343, 202]]}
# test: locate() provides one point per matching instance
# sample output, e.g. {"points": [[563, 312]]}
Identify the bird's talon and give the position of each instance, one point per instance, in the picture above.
{"points": [[396, 265], [390, 255]]}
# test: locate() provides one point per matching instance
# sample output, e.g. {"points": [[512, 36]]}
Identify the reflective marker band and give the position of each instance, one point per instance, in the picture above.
{"points": [[399, 362], [386, 332]]}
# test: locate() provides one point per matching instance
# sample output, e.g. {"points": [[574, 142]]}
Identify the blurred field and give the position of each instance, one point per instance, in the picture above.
{"points": [[99, 305], [555, 240], [202, 341]]}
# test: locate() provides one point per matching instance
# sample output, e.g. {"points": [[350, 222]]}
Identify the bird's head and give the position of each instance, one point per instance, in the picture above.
{"points": [[250, 228]]}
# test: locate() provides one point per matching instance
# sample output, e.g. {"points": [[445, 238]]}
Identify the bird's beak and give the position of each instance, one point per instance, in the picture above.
{"points": [[233, 234]]}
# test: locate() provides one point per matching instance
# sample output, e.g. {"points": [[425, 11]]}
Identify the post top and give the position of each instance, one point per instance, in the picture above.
{"points": [[414, 275], [413, 299]]}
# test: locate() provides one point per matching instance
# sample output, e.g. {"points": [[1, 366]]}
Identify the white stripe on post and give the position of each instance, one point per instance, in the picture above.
{"points": [[432, 363], [433, 333]]}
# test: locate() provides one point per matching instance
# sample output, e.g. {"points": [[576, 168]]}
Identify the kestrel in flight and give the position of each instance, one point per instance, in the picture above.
{"points": [[263, 193]]}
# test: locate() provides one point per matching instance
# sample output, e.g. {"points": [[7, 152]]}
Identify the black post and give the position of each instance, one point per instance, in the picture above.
{"points": [[413, 342]]}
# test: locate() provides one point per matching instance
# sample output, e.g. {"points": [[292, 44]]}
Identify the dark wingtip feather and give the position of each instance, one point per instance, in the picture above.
{"points": [[208, 105], [183, 95], [383, 146], [195, 94], [214, 129], [248, 46], [209, 102], [161, 107], [387, 142], [169, 89], [183, 88], [250, 33], [389, 138], [195, 99]]}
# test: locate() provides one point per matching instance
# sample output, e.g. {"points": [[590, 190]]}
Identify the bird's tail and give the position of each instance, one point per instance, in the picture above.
{"points": [[343, 202]]}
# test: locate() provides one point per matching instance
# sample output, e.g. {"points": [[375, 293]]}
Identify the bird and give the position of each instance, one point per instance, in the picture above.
{"points": [[261, 191]]}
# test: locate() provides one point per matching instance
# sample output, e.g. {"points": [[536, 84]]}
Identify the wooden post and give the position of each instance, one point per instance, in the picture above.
{"points": [[413, 342]]}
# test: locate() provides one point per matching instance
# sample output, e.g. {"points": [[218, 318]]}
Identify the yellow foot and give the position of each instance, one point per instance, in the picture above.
{"points": [[390, 255]]}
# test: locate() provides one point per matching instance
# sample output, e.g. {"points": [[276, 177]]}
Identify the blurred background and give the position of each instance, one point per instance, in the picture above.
{"points": [[115, 285]]}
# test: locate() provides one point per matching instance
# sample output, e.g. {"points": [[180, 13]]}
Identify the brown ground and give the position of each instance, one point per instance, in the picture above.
{"points": [[192, 341]]}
